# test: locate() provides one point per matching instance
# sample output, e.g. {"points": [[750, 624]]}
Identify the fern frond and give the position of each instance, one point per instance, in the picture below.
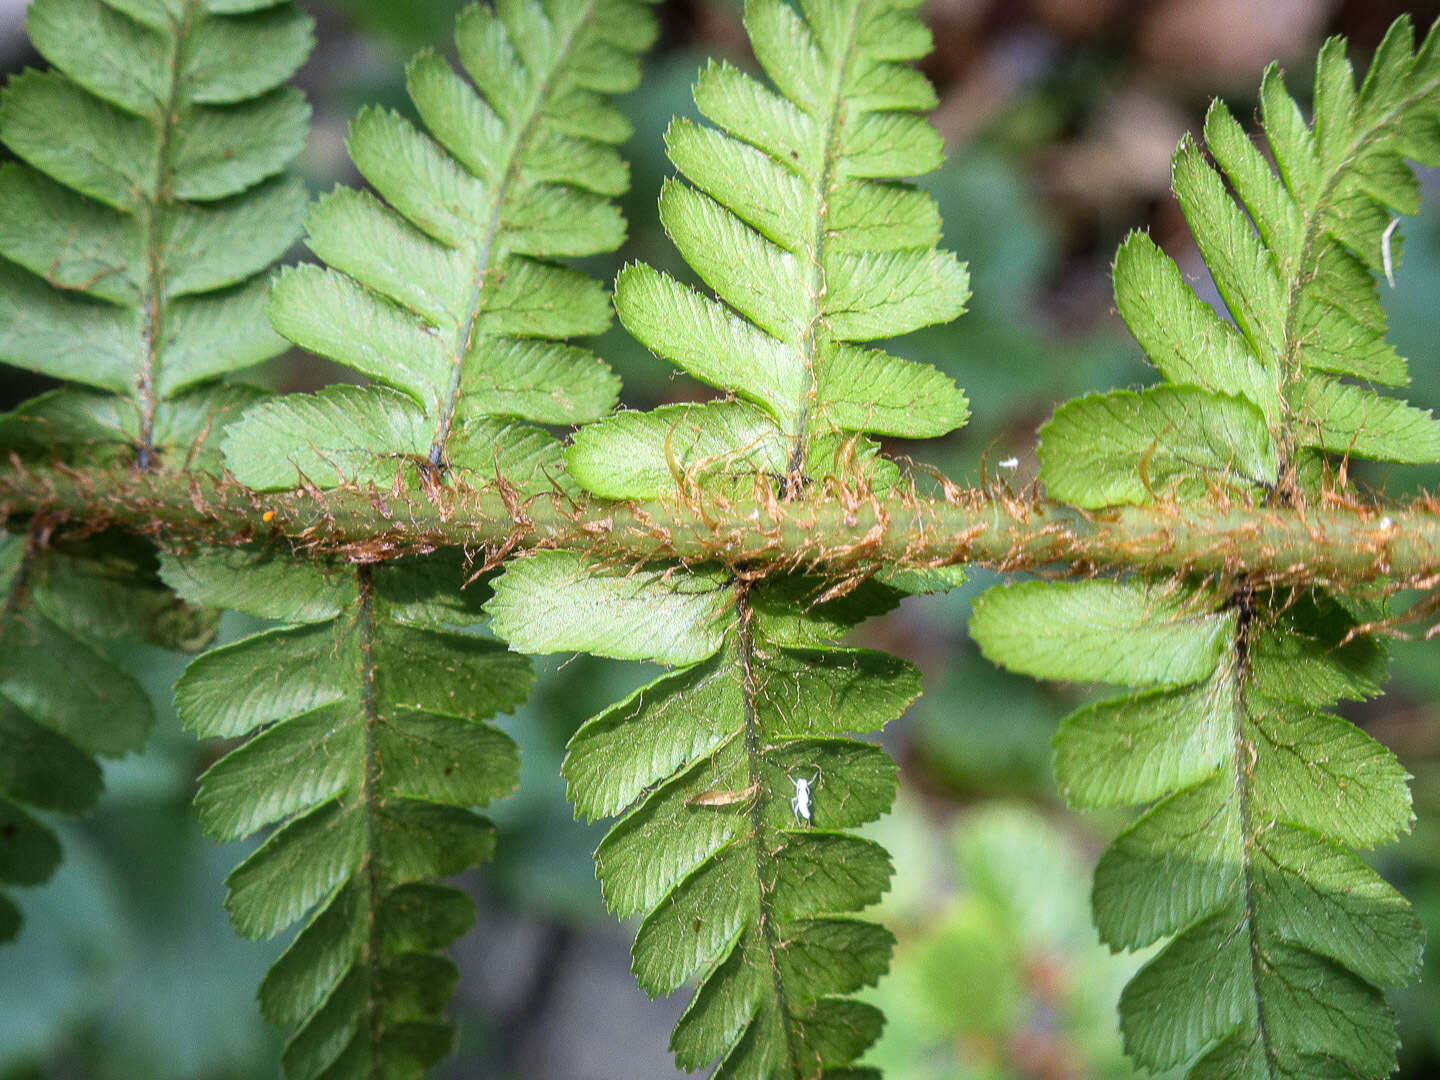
{"points": [[137, 243], [1295, 255], [63, 702], [445, 287], [366, 747], [365, 741], [134, 248], [740, 887], [733, 773], [794, 215], [1281, 936]]}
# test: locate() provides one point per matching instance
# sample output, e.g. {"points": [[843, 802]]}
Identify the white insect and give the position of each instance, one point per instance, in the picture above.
{"points": [[1010, 463], [800, 801], [1385, 257]]}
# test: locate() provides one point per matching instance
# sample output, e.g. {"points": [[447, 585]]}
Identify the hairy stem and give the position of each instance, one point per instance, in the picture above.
{"points": [[1346, 546]]}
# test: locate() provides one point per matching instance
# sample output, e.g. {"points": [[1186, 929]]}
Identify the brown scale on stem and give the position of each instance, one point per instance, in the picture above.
{"points": [[839, 528]]}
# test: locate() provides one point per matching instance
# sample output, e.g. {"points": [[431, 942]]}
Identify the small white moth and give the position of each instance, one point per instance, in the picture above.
{"points": [[1010, 463], [800, 801], [1385, 257]]}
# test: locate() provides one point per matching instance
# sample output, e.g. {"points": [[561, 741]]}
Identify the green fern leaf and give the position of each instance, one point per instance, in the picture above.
{"points": [[733, 773], [63, 702], [793, 217], [1280, 937], [137, 245], [1295, 260], [347, 434], [1280, 934], [372, 715], [1111, 449], [447, 290], [134, 253], [739, 782]]}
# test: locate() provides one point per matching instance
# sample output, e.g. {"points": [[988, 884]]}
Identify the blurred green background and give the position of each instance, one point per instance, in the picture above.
{"points": [[1060, 116]]}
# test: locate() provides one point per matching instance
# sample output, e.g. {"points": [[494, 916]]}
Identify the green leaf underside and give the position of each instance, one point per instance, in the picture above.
{"points": [[446, 287], [375, 714], [793, 212], [62, 700], [1123, 447], [1295, 255], [374, 435], [733, 772], [1280, 939], [136, 246], [1280, 934], [737, 888], [85, 427], [1128, 634]]}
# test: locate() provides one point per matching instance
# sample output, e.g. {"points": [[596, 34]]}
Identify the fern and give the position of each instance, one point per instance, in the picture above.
{"points": [[365, 736], [134, 249], [361, 723], [368, 747], [1295, 262], [733, 771], [137, 244], [449, 295], [1282, 937], [62, 700]]}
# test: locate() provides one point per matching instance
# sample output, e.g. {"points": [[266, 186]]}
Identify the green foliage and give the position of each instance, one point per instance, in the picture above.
{"points": [[733, 772], [739, 886], [362, 746], [1295, 262], [1281, 934], [1281, 938], [367, 747], [137, 243], [793, 216], [135, 248], [447, 290], [62, 700], [364, 718]]}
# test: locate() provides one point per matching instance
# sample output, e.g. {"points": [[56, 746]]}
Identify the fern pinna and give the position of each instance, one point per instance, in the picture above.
{"points": [[367, 742], [62, 700], [369, 709], [734, 770], [449, 295], [1281, 936], [138, 243], [134, 252]]}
